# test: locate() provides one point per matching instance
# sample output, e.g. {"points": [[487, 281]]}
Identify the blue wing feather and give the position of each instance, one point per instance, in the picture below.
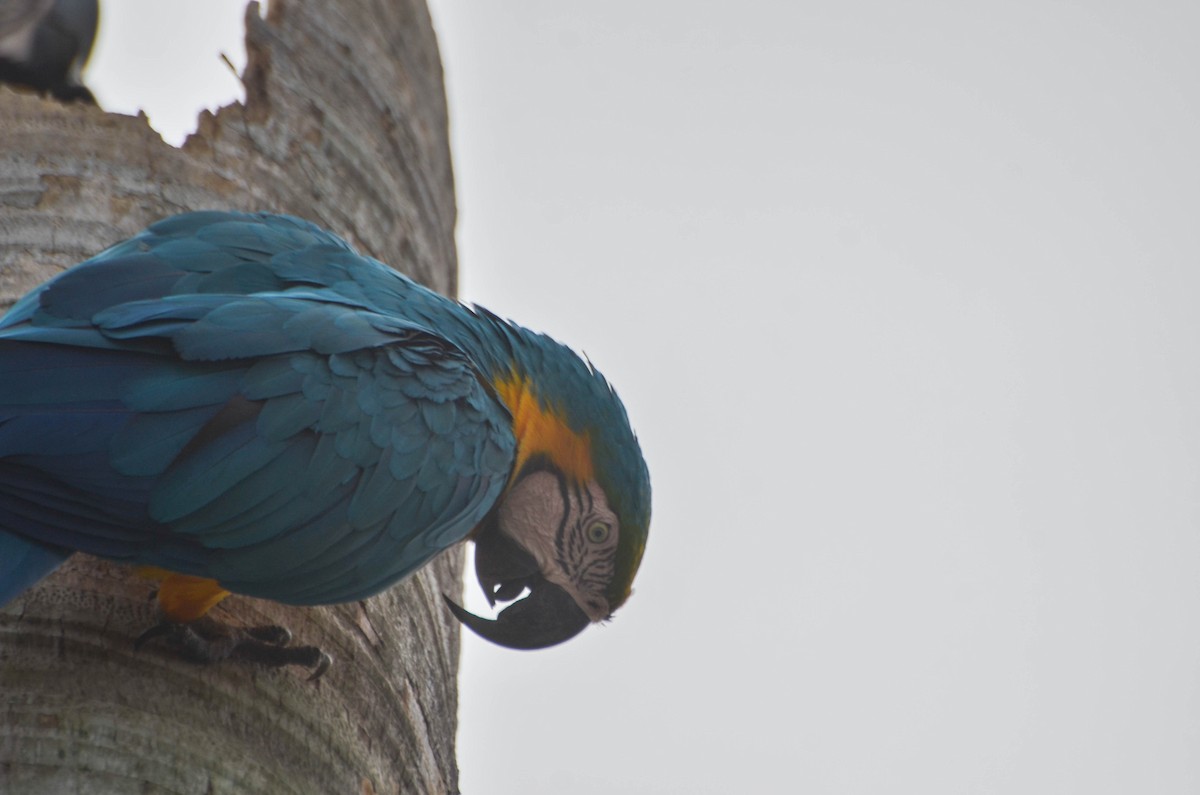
{"points": [[247, 399], [23, 562]]}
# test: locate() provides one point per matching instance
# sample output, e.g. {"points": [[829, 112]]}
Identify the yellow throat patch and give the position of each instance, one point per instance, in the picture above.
{"points": [[540, 430]]}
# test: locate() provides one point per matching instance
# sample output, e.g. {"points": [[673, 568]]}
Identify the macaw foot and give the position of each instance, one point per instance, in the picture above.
{"points": [[207, 640]]}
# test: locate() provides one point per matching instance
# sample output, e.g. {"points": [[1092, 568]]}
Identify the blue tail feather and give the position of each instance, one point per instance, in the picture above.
{"points": [[24, 562]]}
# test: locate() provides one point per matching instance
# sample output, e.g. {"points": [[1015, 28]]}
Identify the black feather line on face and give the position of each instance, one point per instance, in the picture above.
{"points": [[562, 536], [572, 551]]}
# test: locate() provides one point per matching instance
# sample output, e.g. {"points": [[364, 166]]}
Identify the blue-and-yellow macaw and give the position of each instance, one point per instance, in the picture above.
{"points": [[245, 404]]}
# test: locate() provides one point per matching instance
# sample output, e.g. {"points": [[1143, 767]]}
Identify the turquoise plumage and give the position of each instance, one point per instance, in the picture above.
{"points": [[245, 399]]}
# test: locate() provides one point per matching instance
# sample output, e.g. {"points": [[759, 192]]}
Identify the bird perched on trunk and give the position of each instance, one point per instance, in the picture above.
{"points": [[245, 404], [44, 45]]}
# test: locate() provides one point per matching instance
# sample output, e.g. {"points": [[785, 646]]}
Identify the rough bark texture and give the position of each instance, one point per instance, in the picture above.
{"points": [[344, 124]]}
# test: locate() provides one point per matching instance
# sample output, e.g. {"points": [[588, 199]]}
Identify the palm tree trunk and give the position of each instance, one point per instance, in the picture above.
{"points": [[344, 124]]}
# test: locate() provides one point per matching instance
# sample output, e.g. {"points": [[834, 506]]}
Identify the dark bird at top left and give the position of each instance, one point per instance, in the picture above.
{"points": [[44, 45]]}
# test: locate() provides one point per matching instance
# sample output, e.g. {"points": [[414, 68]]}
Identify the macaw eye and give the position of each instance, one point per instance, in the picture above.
{"points": [[597, 532]]}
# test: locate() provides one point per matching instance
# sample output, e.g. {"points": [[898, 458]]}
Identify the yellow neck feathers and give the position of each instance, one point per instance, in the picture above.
{"points": [[541, 431]]}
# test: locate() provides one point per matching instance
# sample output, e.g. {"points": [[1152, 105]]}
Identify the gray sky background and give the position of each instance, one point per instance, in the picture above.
{"points": [[901, 298]]}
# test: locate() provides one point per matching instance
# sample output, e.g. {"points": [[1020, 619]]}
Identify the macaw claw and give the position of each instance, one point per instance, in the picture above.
{"points": [[207, 640], [272, 634]]}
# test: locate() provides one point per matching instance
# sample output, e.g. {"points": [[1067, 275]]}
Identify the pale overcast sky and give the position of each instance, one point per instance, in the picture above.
{"points": [[901, 298]]}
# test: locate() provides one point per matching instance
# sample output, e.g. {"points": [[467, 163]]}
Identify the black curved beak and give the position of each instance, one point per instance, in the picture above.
{"points": [[547, 617]]}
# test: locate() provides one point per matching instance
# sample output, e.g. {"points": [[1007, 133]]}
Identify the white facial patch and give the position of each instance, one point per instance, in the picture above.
{"points": [[532, 513], [569, 530]]}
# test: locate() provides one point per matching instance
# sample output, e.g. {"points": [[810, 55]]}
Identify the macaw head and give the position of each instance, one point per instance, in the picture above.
{"points": [[572, 523]]}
